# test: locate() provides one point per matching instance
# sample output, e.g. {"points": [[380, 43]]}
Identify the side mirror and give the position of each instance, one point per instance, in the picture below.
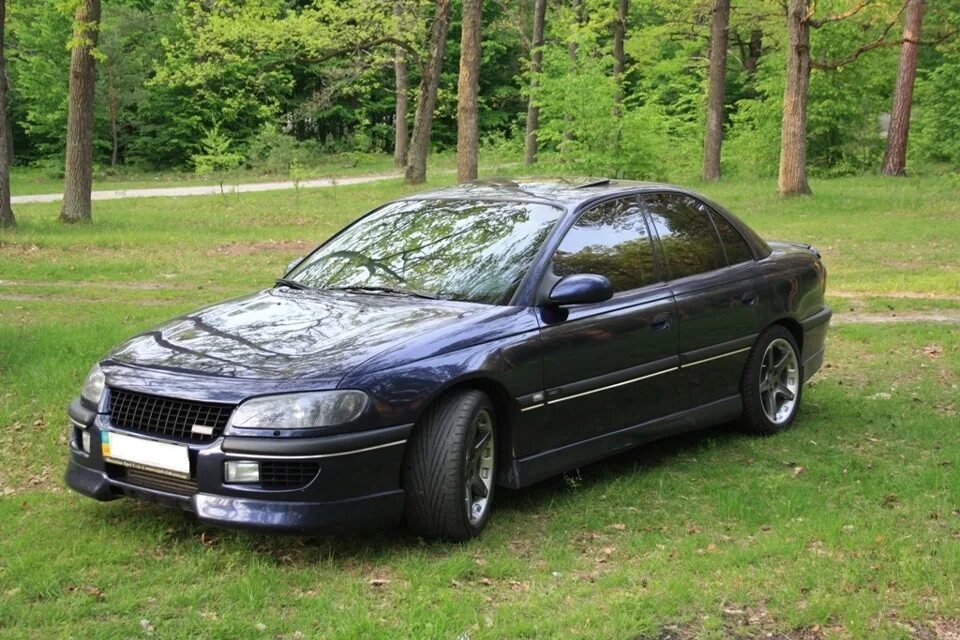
{"points": [[292, 264], [581, 288]]}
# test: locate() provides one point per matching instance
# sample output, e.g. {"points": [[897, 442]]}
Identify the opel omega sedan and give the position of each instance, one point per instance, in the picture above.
{"points": [[487, 335]]}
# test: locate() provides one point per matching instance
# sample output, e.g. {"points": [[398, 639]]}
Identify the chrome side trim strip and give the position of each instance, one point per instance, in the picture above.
{"points": [[533, 406], [722, 355], [257, 456], [613, 386]]}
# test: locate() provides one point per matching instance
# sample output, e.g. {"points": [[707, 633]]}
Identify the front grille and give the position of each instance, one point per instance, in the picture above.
{"points": [[168, 417], [293, 473], [150, 480]]}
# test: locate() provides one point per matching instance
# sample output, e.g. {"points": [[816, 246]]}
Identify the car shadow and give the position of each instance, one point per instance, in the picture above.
{"points": [[181, 531]]}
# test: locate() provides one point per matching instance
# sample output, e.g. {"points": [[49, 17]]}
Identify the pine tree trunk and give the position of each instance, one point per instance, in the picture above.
{"points": [[467, 88], [536, 61], [416, 172], [793, 136], [895, 157], [6, 212], [401, 140], [716, 91], [78, 182]]}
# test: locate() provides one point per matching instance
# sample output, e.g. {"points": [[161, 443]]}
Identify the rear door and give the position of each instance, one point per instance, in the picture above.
{"points": [[608, 365], [719, 294]]}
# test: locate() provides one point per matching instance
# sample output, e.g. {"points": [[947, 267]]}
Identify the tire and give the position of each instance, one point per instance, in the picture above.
{"points": [[768, 407], [449, 474]]}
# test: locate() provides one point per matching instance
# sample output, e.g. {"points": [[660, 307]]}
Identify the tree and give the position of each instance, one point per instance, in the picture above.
{"points": [[895, 156], [6, 154], [78, 181], [468, 83], [536, 61], [793, 139], [401, 139], [716, 90], [216, 157], [619, 55], [793, 136], [416, 172]]}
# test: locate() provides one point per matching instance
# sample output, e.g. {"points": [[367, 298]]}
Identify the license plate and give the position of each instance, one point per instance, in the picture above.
{"points": [[148, 455]]}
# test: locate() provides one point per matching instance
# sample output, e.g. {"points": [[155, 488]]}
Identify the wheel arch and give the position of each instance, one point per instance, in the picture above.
{"points": [[503, 406], [795, 329]]}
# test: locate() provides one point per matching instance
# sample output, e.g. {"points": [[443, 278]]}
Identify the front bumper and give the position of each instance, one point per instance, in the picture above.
{"points": [[356, 485]]}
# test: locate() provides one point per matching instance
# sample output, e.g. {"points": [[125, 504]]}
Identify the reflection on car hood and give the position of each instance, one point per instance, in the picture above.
{"points": [[283, 333]]}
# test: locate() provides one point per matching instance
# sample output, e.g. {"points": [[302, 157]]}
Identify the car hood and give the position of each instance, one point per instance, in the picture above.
{"points": [[284, 333]]}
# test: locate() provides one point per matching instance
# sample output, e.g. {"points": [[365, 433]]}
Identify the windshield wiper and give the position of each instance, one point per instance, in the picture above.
{"points": [[293, 284], [399, 292]]}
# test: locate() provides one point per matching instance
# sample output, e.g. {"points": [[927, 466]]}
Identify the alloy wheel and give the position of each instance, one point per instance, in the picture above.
{"points": [[478, 468], [779, 381]]}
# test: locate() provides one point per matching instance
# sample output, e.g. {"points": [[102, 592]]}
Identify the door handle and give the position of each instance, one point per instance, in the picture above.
{"points": [[661, 322], [750, 299]]}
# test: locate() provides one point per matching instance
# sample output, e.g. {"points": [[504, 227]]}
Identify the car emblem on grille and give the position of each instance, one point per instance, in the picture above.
{"points": [[201, 430]]}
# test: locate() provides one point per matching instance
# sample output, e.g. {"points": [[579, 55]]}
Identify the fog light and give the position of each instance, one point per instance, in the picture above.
{"points": [[241, 471], [85, 441]]}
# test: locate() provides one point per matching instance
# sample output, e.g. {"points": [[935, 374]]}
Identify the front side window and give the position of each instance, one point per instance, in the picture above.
{"points": [[687, 235], [476, 251], [610, 240]]}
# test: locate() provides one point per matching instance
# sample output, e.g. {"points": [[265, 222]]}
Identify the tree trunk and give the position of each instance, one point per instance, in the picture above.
{"points": [[113, 108], [401, 139], [895, 157], [79, 166], [619, 56], [754, 51], [6, 212], [572, 50], [423, 120], [716, 91], [536, 60], [793, 136], [467, 88]]}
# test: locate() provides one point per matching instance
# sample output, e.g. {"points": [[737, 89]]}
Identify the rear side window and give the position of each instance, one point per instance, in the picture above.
{"points": [[737, 248], [611, 240], [689, 240]]}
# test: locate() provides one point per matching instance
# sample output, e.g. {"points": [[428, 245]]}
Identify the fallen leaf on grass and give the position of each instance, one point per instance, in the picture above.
{"points": [[94, 592], [618, 527], [797, 471], [378, 582]]}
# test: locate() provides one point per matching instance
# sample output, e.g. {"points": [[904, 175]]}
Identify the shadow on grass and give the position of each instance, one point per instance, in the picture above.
{"points": [[175, 531]]}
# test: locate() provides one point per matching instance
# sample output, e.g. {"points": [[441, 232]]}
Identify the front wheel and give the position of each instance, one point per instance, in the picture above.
{"points": [[449, 472], [772, 382]]}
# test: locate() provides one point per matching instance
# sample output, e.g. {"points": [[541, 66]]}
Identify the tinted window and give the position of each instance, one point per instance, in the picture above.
{"points": [[687, 235], [737, 248], [453, 249], [612, 240]]}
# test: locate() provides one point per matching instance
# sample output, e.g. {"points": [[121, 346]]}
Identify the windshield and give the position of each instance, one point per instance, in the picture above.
{"points": [[476, 251]]}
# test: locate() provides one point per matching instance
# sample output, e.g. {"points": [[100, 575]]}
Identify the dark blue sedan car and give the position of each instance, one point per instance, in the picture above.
{"points": [[489, 334]]}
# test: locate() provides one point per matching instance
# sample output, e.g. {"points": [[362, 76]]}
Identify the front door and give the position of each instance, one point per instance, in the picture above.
{"points": [[613, 364]]}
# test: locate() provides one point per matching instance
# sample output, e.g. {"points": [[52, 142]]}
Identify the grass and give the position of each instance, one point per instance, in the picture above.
{"points": [[846, 526]]}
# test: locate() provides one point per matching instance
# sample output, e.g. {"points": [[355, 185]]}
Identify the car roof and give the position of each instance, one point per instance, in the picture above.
{"points": [[559, 191]]}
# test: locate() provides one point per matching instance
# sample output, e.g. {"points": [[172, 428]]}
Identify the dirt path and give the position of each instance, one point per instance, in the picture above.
{"points": [[208, 190]]}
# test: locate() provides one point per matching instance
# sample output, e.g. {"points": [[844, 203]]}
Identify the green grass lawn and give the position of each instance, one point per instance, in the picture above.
{"points": [[847, 526]]}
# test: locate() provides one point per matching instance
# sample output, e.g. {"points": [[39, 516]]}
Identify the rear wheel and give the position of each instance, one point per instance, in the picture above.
{"points": [[772, 382], [450, 469]]}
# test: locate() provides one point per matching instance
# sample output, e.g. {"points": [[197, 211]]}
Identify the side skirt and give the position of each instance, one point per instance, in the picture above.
{"points": [[540, 466]]}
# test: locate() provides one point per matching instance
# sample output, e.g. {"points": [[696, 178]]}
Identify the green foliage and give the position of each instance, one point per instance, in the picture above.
{"points": [[216, 156]]}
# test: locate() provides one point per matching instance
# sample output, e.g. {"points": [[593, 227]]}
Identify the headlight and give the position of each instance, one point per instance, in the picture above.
{"points": [[92, 388], [300, 410]]}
